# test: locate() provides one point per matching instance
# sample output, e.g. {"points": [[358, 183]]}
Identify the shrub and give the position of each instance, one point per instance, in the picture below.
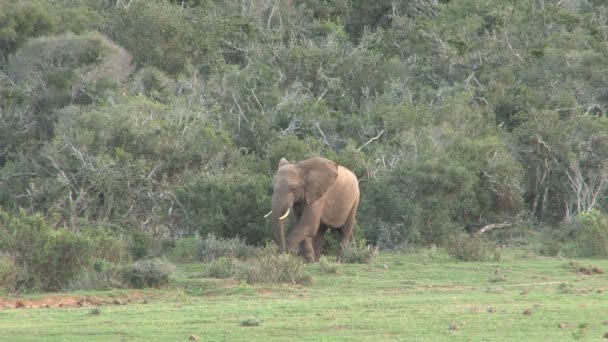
{"points": [[213, 248], [362, 254], [45, 258], [390, 237], [591, 234], [227, 267], [140, 245], [327, 266], [469, 248], [105, 279], [227, 205], [148, 273], [186, 250], [270, 267], [8, 272]]}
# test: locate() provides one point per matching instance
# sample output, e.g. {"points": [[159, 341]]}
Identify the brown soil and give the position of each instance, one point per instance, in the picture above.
{"points": [[67, 301]]}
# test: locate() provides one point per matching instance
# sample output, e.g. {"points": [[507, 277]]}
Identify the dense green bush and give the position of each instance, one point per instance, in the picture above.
{"points": [[8, 272], [44, 258], [187, 249], [168, 118], [591, 234], [227, 206]]}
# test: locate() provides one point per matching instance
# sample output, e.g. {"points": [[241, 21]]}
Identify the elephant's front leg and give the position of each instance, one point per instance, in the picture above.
{"points": [[306, 246], [305, 229]]}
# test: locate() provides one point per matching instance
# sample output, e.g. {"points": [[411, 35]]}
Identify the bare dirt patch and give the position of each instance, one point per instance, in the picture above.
{"points": [[67, 301]]}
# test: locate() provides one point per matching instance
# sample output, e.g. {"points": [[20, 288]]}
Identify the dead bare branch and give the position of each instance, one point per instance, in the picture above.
{"points": [[370, 140], [492, 227]]}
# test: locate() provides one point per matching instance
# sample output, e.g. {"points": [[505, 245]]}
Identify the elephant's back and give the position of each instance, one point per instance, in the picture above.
{"points": [[347, 180], [341, 198]]}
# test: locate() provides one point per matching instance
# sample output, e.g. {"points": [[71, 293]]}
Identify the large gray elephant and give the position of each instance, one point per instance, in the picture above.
{"points": [[322, 195]]}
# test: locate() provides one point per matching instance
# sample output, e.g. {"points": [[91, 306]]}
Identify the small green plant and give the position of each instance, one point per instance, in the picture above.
{"points": [[148, 273], [566, 288], [213, 248], [95, 312], [251, 322], [497, 278], [581, 333], [227, 267], [361, 254], [327, 266], [470, 248]]}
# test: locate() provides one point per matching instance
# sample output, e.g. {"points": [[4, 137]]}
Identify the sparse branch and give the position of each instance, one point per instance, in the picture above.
{"points": [[370, 140], [322, 134], [511, 48]]}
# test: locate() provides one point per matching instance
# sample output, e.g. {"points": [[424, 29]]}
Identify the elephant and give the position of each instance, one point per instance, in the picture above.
{"points": [[322, 194]]}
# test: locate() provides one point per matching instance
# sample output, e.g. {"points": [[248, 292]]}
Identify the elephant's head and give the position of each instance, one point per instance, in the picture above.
{"points": [[303, 183]]}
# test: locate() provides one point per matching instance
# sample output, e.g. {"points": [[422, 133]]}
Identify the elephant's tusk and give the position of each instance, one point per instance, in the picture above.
{"points": [[284, 216], [269, 213]]}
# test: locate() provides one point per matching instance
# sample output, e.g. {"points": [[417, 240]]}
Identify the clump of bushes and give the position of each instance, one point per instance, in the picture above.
{"points": [[267, 266], [44, 258], [590, 230], [362, 254], [470, 248], [37, 256]]}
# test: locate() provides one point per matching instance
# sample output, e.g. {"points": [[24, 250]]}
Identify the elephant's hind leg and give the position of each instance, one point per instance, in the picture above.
{"points": [[346, 232]]}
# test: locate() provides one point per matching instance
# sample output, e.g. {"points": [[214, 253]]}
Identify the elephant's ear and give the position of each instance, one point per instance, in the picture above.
{"points": [[319, 175]]}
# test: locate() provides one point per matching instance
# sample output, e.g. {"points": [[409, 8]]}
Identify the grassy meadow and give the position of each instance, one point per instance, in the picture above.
{"points": [[422, 296]]}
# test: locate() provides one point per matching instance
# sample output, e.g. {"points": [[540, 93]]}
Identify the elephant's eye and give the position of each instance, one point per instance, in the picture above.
{"points": [[293, 189]]}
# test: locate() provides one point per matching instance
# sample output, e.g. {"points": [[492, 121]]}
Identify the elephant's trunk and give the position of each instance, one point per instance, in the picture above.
{"points": [[279, 234], [279, 214]]}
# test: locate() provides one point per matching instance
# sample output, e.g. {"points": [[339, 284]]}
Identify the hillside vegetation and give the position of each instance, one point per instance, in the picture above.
{"points": [[136, 123]]}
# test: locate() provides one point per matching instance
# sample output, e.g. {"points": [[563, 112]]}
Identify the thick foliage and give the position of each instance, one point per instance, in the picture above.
{"points": [[591, 234], [170, 121], [46, 258]]}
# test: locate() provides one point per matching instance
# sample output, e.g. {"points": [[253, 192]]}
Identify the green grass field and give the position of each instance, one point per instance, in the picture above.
{"points": [[422, 296]]}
